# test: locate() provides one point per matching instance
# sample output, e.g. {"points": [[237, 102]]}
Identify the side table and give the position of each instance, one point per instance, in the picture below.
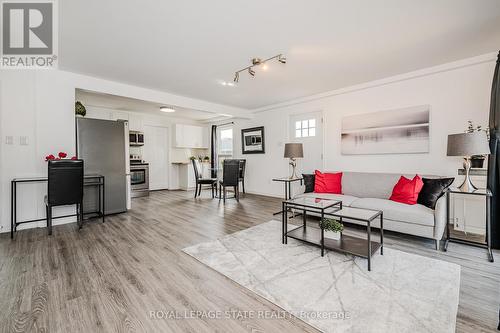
{"points": [[487, 245], [287, 182]]}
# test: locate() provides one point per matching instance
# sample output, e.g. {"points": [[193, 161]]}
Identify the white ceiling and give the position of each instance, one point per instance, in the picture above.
{"points": [[188, 47], [113, 102]]}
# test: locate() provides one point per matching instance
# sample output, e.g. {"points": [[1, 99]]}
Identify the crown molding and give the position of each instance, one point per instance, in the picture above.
{"points": [[488, 57]]}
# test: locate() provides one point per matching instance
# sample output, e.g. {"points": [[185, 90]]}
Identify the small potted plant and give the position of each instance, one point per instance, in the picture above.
{"points": [[80, 110], [332, 228], [206, 159], [477, 161], [192, 158]]}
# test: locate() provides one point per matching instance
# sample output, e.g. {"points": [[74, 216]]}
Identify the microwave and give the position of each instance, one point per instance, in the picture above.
{"points": [[136, 138]]}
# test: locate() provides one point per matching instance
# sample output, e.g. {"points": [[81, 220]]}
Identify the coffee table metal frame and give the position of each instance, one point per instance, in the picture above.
{"points": [[353, 245]]}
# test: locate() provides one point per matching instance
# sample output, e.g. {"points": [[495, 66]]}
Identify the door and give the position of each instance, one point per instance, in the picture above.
{"points": [[307, 128], [155, 152]]}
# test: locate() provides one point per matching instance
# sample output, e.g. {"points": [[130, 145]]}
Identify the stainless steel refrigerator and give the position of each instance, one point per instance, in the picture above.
{"points": [[103, 146]]}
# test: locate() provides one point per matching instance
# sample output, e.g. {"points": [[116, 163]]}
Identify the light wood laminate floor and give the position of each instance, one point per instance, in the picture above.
{"points": [[108, 277]]}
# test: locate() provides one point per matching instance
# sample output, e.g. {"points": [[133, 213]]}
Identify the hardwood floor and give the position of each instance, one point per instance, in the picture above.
{"points": [[109, 277]]}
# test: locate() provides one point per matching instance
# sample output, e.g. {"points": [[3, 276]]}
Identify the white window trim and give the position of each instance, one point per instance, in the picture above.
{"points": [[301, 128]]}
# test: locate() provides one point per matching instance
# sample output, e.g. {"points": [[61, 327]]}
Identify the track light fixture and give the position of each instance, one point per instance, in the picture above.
{"points": [[257, 62]]}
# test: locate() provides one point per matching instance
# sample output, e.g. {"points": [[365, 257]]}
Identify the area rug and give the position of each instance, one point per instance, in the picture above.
{"points": [[336, 293]]}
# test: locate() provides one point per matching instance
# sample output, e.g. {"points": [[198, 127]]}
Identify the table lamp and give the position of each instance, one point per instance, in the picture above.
{"points": [[467, 145], [293, 151]]}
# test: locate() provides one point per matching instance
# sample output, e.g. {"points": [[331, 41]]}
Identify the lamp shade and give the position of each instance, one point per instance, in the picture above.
{"points": [[468, 144], [293, 150]]}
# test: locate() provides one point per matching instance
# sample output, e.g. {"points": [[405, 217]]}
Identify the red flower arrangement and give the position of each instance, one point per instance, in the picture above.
{"points": [[62, 155]]}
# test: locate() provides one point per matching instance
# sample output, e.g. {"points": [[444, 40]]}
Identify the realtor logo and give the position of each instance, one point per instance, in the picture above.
{"points": [[28, 34]]}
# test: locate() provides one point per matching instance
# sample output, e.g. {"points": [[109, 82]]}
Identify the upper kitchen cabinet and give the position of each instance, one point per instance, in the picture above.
{"points": [[191, 136], [135, 123]]}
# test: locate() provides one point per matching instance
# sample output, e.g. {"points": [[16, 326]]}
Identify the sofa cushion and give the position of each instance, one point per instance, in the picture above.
{"points": [[346, 199], [417, 214], [308, 182], [328, 182], [371, 184], [406, 190], [433, 189]]}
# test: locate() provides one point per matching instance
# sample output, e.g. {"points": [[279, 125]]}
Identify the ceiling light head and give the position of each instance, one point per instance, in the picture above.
{"points": [[251, 72], [256, 61], [282, 59], [236, 77], [167, 109]]}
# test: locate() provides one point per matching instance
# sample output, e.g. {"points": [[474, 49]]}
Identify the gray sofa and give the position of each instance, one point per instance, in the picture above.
{"points": [[372, 191]]}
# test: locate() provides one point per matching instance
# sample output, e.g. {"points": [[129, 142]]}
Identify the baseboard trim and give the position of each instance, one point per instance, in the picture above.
{"points": [[265, 194]]}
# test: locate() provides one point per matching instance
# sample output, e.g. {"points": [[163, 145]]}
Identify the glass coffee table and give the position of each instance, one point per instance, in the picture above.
{"points": [[353, 245]]}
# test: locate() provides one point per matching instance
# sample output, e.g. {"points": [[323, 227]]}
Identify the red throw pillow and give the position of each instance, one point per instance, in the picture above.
{"points": [[327, 182], [406, 190]]}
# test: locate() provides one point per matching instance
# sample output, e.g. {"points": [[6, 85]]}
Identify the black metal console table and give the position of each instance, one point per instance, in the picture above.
{"points": [[88, 180], [287, 182], [487, 245]]}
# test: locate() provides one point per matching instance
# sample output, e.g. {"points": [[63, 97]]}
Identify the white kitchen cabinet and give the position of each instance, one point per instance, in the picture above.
{"points": [[135, 123], [191, 136], [111, 115], [186, 177]]}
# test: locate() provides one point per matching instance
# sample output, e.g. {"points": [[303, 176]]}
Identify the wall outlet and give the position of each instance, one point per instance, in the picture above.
{"points": [[23, 140], [9, 140]]}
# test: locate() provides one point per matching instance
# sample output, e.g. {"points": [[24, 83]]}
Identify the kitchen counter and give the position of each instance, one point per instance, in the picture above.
{"points": [[186, 173]]}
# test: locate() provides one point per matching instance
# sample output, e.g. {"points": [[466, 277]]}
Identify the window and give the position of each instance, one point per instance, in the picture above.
{"points": [[305, 128], [225, 142]]}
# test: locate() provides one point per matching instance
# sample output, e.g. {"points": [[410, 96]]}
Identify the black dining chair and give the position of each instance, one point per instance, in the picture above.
{"points": [[203, 181], [65, 187], [230, 178], [241, 178]]}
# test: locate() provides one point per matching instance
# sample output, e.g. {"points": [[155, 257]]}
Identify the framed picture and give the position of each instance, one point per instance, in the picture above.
{"points": [[399, 131], [252, 140]]}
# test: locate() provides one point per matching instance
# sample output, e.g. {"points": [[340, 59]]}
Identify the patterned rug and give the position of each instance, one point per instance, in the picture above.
{"points": [[336, 293]]}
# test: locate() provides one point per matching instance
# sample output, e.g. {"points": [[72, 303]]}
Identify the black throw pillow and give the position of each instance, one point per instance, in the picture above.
{"points": [[308, 182], [433, 189]]}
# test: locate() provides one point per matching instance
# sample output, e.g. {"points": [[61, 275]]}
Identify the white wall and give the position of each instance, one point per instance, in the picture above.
{"points": [[456, 92], [39, 104]]}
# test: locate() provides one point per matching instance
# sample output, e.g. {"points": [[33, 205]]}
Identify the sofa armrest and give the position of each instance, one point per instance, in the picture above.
{"points": [[440, 218]]}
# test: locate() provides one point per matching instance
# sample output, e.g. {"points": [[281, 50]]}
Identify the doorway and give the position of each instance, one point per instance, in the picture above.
{"points": [[307, 128], [155, 151]]}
